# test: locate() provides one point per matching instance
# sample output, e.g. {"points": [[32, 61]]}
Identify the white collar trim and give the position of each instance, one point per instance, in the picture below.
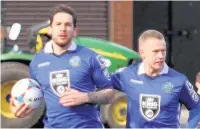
{"points": [[141, 69], [48, 47]]}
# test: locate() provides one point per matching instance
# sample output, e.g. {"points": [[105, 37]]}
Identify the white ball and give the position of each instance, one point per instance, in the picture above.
{"points": [[27, 91]]}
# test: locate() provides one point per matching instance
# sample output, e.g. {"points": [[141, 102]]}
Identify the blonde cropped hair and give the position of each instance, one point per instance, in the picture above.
{"points": [[150, 34]]}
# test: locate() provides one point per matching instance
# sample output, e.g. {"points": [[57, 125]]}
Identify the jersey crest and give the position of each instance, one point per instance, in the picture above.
{"points": [[168, 87], [59, 81], [75, 61], [149, 106]]}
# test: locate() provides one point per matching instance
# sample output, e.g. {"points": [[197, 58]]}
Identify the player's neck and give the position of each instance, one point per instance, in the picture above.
{"points": [[151, 71], [58, 50]]}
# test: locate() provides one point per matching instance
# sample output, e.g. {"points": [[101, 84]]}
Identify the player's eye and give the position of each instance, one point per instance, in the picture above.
{"points": [[58, 24], [68, 24]]}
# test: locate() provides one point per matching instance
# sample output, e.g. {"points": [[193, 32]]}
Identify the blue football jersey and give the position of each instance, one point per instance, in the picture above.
{"points": [[79, 68], [154, 102]]}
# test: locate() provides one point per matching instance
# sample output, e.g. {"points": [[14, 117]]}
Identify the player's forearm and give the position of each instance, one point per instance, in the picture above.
{"points": [[104, 96], [194, 117]]}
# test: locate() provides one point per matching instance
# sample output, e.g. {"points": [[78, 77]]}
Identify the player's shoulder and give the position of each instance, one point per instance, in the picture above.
{"points": [[121, 70], [87, 53], [176, 75], [44, 51], [38, 57], [130, 68], [90, 56], [134, 67], [86, 50]]}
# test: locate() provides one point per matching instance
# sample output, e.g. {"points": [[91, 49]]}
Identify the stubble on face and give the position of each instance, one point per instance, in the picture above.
{"points": [[153, 53], [62, 29]]}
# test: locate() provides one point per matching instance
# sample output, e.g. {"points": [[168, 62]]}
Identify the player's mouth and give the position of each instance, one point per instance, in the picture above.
{"points": [[159, 62], [62, 36]]}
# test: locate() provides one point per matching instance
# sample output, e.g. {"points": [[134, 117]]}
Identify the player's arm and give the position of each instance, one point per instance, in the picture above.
{"points": [[194, 117], [22, 110], [102, 81], [104, 96], [191, 100], [74, 97], [116, 79]]}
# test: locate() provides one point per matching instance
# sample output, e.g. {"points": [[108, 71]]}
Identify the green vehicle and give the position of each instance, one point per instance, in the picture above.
{"points": [[14, 66]]}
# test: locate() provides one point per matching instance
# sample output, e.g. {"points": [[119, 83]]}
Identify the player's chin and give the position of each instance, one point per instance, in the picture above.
{"points": [[158, 65], [62, 43]]}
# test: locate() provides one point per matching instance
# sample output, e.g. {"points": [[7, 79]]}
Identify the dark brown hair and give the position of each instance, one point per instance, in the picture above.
{"points": [[63, 8]]}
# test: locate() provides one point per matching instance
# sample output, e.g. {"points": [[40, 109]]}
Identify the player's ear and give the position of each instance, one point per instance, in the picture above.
{"points": [[141, 48], [141, 52], [49, 30], [75, 32]]}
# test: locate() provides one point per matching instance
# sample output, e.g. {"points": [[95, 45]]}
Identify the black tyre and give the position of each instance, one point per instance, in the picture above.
{"points": [[115, 114], [10, 73]]}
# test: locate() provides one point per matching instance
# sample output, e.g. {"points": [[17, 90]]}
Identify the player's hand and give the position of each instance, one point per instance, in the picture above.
{"points": [[73, 97], [198, 126], [20, 111]]}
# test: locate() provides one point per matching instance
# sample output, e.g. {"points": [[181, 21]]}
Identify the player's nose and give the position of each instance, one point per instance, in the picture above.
{"points": [[161, 55]]}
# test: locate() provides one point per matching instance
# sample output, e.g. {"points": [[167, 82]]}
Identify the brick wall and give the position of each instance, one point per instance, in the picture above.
{"points": [[121, 22]]}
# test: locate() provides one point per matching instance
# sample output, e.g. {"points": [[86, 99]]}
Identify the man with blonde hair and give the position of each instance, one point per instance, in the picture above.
{"points": [[154, 91]]}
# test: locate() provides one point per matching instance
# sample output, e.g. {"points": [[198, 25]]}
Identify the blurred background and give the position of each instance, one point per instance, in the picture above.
{"points": [[117, 21]]}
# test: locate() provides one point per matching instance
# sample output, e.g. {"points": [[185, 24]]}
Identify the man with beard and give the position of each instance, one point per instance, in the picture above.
{"points": [[154, 91], [69, 75]]}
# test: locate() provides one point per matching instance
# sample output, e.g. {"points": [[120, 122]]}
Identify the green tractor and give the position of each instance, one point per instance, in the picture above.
{"points": [[14, 66]]}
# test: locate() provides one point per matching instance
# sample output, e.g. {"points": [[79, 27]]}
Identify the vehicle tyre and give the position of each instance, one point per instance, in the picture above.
{"points": [[115, 114], [10, 73]]}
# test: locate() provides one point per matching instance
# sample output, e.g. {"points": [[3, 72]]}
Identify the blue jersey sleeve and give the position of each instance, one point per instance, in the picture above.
{"points": [[194, 117], [31, 72], [116, 79], [100, 74], [188, 95], [32, 68]]}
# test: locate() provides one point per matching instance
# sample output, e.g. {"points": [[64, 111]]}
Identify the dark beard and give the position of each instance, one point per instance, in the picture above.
{"points": [[65, 45]]}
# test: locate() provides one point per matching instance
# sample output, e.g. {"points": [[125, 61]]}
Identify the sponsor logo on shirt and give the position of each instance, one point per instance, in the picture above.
{"points": [[149, 106], [137, 81], [104, 63], [107, 62], [75, 61], [43, 64], [192, 93], [168, 87], [106, 74], [59, 81]]}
